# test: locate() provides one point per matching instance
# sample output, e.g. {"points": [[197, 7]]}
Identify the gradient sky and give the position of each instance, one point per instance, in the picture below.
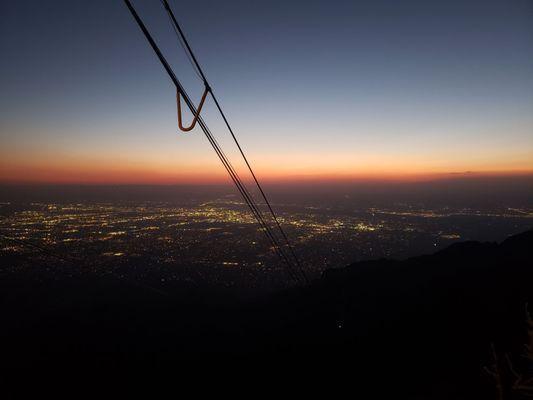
{"points": [[327, 89]]}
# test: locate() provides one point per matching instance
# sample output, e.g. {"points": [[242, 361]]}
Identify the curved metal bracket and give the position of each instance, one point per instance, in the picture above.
{"points": [[196, 115]]}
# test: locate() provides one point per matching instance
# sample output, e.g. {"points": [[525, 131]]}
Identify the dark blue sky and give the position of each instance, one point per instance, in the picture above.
{"points": [[314, 88]]}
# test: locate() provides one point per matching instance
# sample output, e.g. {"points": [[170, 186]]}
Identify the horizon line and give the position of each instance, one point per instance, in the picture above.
{"points": [[296, 179]]}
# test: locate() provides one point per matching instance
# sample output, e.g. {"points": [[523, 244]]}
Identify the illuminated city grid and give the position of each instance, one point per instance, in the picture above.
{"points": [[219, 241]]}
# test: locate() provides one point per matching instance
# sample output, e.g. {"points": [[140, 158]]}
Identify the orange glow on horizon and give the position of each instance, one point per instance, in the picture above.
{"points": [[106, 174], [60, 168]]}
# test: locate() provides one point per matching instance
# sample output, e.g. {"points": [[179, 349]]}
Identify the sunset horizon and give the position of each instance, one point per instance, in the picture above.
{"points": [[110, 177], [397, 105]]}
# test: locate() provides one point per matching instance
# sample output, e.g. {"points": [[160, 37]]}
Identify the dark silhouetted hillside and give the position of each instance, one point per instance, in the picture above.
{"points": [[418, 328]]}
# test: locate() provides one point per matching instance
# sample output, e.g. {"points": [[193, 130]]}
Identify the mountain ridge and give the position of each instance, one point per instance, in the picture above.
{"points": [[425, 325]]}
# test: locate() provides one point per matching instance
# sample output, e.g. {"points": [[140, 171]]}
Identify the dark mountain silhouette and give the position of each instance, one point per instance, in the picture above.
{"points": [[417, 328]]}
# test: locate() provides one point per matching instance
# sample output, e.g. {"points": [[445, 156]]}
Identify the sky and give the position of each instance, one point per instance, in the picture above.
{"points": [[326, 90]]}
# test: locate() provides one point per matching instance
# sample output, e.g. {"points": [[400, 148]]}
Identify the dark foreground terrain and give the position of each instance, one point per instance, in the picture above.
{"points": [[420, 328]]}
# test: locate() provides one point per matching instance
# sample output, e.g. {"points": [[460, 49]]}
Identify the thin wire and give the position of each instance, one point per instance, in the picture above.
{"points": [[229, 168], [248, 199], [246, 195], [242, 189], [190, 54], [194, 67]]}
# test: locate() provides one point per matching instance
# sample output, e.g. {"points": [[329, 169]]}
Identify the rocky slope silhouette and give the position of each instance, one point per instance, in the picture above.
{"points": [[417, 328]]}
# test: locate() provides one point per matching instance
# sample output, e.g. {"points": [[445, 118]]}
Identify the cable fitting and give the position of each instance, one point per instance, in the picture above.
{"points": [[196, 115]]}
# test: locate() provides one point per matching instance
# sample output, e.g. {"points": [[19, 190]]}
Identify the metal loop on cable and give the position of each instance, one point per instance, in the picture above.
{"points": [[196, 115]]}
